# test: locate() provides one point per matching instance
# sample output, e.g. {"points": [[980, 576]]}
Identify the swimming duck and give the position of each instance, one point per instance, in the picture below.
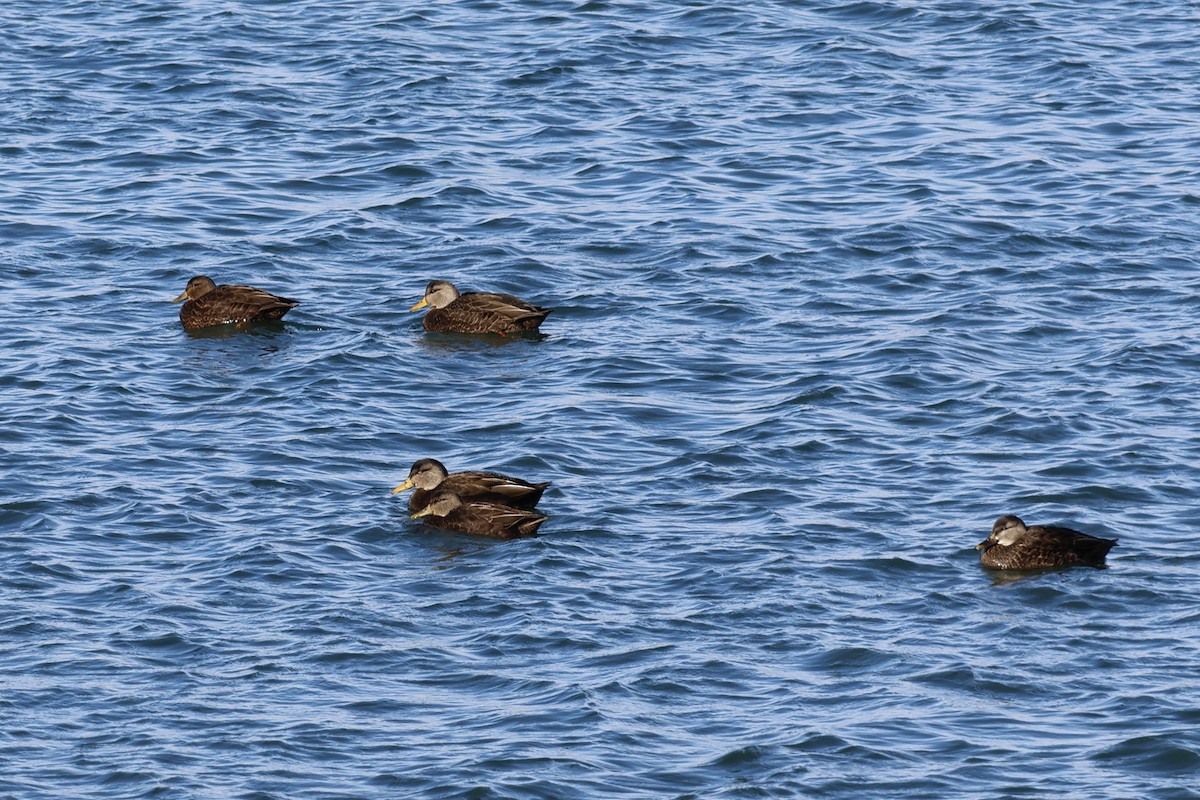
{"points": [[477, 312], [447, 510], [1012, 545], [429, 474], [208, 304]]}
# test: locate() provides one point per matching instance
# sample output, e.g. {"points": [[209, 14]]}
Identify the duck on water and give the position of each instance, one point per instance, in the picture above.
{"points": [[477, 312], [1014, 545], [209, 304]]}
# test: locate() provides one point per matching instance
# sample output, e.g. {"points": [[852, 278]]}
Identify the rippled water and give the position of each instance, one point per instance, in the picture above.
{"points": [[835, 285]]}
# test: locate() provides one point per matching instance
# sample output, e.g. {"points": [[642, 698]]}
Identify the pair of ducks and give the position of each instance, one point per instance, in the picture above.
{"points": [[481, 503], [491, 504], [449, 310]]}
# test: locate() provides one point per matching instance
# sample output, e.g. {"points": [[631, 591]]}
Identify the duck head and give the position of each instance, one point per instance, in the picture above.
{"points": [[196, 288], [438, 294], [439, 505], [1005, 531], [427, 473]]}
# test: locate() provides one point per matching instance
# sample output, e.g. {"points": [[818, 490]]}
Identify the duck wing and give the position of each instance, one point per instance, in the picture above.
{"points": [[233, 303], [1065, 546], [490, 519], [493, 487], [484, 487]]}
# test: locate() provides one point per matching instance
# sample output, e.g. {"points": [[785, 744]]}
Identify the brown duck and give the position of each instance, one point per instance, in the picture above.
{"points": [[428, 475], [477, 312], [449, 511], [1012, 545], [208, 304]]}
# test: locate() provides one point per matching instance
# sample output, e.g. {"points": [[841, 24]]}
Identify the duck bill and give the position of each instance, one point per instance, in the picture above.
{"points": [[403, 487], [420, 305], [424, 512], [982, 545], [181, 297]]}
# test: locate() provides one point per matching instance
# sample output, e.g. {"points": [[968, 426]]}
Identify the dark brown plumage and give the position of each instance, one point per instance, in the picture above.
{"points": [[208, 304], [428, 475], [449, 511], [1012, 545], [477, 312]]}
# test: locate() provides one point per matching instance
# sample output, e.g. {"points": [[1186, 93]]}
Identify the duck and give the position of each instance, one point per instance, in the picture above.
{"points": [[477, 312], [1013, 545], [429, 474], [449, 511], [209, 304]]}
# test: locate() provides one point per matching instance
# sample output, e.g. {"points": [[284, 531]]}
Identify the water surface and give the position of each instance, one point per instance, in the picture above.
{"points": [[835, 285]]}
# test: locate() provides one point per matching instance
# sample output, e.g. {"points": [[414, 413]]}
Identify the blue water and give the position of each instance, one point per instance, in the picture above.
{"points": [[835, 285]]}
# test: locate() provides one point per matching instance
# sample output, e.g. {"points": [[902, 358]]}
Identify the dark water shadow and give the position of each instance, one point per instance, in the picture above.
{"points": [[232, 329], [1005, 577], [473, 342], [230, 350], [451, 545]]}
